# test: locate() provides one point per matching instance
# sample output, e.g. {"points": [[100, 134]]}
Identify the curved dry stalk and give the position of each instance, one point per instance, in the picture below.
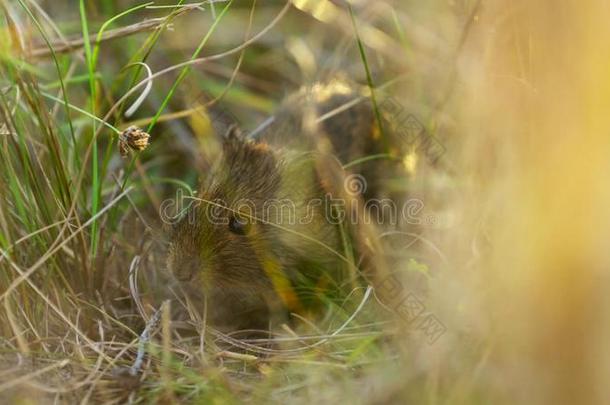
{"points": [[255, 348], [81, 176], [133, 286], [24, 275], [24, 378], [201, 60], [136, 104], [278, 226], [31, 235], [75, 44], [239, 61], [417, 237]]}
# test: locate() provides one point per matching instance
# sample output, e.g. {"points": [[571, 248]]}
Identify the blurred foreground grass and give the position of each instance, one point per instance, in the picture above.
{"points": [[516, 92]]}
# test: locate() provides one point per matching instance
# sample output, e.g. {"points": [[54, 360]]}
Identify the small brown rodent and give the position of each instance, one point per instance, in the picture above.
{"points": [[261, 240]]}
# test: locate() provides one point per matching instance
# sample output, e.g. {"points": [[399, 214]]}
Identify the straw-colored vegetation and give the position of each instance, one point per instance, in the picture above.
{"points": [[496, 279]]}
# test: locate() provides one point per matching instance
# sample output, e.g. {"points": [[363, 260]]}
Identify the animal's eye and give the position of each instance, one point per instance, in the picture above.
{"points": [[238, 226]]}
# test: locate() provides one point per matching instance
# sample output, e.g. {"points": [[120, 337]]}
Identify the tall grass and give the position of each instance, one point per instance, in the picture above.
{"points": [[509, 252]]}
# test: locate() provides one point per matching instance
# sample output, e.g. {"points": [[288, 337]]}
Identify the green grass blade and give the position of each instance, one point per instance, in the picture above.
{"points": [[95, 185], [186, 69], [369, 79]]}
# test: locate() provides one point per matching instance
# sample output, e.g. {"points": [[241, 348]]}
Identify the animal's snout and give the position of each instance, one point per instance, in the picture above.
{"points": [[185, 270], [184, 275]]}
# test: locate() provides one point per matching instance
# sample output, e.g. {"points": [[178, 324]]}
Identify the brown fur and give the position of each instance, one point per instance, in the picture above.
{"points": [[277, 265]]}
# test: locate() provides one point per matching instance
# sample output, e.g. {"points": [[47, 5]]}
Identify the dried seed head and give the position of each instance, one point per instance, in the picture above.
{"points": [[132, 138]]}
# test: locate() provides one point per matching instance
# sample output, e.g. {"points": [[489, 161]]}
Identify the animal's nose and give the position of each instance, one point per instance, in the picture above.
{"points": [[186, 270], [184, 275]]}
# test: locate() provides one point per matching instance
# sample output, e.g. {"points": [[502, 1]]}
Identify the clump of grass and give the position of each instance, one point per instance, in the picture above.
{"points": [[83, 280]]}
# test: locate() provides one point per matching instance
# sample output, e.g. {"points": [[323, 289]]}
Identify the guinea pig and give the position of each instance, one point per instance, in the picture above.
{"points": [[265, 236]]}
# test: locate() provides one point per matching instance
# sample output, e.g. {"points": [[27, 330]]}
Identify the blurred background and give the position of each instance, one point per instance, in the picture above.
{"points": [[507, 259]]}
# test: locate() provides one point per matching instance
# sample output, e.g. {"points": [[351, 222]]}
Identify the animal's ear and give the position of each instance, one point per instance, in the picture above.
{"points": [[234, 133], [247, 160], [233, 141]]}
